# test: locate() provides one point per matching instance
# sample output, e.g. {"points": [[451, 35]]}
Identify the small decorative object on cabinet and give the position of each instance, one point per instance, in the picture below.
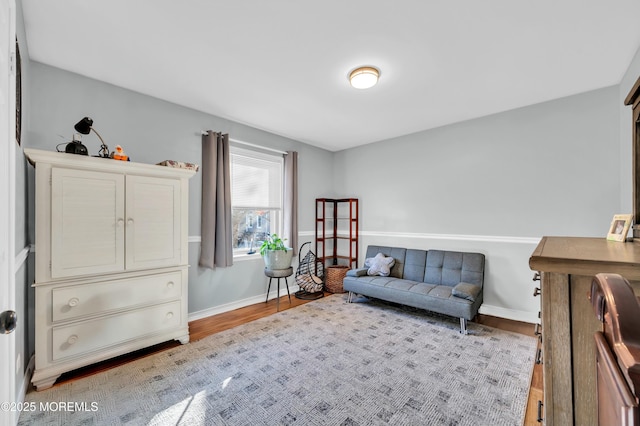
{"points": [[337, 231], [111, 259]]}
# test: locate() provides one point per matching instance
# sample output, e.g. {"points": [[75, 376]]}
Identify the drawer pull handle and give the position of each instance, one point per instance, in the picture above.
{"points": [[74, 301], [72, 339], [536, 276], [539, 356], [169, 315], [540, 419], [536, 330], [536, 292], [170, 284]]}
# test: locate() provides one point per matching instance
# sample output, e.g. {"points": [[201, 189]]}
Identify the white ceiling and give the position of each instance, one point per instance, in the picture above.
{"points": [[282, 65]]}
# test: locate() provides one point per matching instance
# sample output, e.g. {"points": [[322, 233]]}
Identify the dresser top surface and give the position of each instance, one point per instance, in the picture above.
{"points": [[62, 159], [570, 254]]}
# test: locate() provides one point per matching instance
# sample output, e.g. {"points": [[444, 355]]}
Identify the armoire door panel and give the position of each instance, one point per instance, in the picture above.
{"points": [[153, 222], [87, 222]]}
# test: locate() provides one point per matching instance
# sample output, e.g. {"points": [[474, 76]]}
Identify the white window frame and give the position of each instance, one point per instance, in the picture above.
{"points": [[276, 224]]}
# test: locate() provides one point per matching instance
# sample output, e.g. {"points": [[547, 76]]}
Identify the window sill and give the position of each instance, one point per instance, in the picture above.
{"points": [[241, 257]]}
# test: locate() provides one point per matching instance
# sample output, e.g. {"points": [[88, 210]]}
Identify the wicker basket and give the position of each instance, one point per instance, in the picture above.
{"points": [[335, 274]]}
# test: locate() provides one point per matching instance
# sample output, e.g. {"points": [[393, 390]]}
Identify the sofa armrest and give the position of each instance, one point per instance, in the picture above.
{"points": [[466, 291], [358, 272]]}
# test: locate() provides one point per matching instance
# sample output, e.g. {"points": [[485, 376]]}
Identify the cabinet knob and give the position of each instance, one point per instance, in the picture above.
{"points": [[120, 222], [536, 276], [72, 339], [129, 221], [536, 292], [169, 315], [170, 284], [74, 301]]}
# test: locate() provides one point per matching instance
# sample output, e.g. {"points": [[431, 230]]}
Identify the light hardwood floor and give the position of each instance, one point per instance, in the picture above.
{"points": [[200, 329]]}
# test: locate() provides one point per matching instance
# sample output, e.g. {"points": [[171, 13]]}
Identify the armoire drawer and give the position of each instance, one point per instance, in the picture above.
{"points": [[91, 335], [72, 302]]}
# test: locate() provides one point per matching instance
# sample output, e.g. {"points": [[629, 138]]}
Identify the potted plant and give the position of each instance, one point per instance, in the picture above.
{"points": [[275, 254]]}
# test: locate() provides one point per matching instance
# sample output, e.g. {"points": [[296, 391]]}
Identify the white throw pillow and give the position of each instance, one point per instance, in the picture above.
{"points": [[379, 265]]}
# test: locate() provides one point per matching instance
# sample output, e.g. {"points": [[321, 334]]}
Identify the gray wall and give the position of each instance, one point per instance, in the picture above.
{"points": [[151, 130], [547, 169], [494, 185]]}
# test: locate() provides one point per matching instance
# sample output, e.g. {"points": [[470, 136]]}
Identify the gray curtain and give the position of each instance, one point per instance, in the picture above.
{"points": [[216, 247], [290, 216]]}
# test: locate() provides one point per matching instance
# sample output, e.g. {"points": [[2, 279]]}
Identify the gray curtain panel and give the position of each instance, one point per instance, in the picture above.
{"points": [[291, 199], [216, 248]]}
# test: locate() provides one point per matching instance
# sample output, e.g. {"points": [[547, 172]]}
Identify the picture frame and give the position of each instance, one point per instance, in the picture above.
{"points": [[619, 228]]}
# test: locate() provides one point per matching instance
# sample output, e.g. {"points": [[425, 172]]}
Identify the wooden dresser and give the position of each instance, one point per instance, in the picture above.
{"points": [[567, 266], [111, 259]]}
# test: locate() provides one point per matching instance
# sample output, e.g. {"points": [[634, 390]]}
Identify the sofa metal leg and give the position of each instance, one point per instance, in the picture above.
{"points": [[350, 298], [463, 326]]}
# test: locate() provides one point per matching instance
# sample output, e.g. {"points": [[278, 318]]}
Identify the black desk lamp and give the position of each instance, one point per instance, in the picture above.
{"points": [[84, 126]]}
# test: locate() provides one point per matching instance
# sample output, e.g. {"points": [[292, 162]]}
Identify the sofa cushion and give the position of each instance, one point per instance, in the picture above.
{"points": [[466, 291], [380, 265], [414, 263], [450, 268]]}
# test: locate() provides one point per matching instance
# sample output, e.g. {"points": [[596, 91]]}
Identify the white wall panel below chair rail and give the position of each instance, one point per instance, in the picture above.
{"points": [[508, 285]]}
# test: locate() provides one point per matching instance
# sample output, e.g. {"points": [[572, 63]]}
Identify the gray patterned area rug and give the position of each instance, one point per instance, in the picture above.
{"points": [[327, 362]]}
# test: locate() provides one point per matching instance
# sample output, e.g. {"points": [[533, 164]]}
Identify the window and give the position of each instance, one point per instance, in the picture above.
{"points": [[256, 198]]}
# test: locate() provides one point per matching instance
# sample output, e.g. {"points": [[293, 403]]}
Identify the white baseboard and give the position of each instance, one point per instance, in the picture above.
{"points": [[193, 316], [512, 314]]}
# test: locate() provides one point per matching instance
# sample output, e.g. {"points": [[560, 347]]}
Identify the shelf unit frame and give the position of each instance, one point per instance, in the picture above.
{"points": [[328, 233]]}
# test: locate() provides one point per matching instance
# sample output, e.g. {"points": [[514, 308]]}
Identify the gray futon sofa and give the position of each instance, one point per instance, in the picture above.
{"points": [[446, 282]]}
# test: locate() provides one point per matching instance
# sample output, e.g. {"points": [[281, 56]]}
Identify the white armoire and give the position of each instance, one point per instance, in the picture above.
{"points": [[111, 259]]}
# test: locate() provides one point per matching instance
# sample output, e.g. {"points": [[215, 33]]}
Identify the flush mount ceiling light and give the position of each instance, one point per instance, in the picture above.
{"points": [[364, 77]]}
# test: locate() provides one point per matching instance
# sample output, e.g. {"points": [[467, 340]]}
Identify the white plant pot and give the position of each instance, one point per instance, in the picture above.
{"points": [[278, 259]]}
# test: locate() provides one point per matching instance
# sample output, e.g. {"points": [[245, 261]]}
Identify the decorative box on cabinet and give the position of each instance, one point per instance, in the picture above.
{"points": [[567, 266], [111, 259]]}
